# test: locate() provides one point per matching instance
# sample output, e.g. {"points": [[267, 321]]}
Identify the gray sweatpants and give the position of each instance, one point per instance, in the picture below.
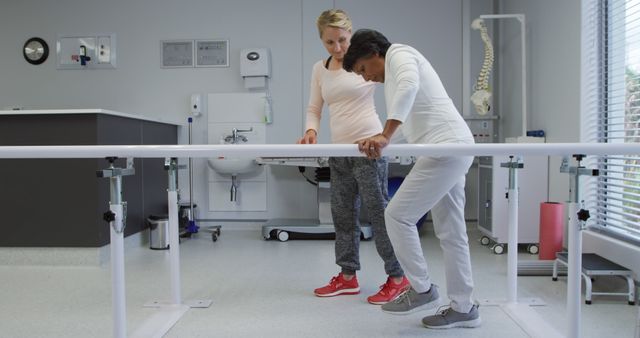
{"points": [[354, 179]]}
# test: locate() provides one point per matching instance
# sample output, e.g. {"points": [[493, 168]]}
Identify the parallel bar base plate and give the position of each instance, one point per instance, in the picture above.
{"points": [[160, 322]]}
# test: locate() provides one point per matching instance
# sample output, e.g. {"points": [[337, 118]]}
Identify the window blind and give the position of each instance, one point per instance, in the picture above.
{"points": [[613, 90]]}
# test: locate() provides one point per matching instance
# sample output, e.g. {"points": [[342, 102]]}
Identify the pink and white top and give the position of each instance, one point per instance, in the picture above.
{"points": [[352, 112]]}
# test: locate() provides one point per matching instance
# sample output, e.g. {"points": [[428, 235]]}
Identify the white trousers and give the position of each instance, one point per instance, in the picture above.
{"points": [[436, 184]]}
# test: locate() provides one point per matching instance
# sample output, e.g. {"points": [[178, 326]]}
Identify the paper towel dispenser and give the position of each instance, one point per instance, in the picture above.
{"points": [[255, 62]]}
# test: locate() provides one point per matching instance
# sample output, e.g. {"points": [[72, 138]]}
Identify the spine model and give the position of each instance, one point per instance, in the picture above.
{"points": [[481, 97]]}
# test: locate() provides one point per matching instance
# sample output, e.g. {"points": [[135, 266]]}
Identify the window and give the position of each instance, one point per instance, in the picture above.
{"points": [[616, 99]]}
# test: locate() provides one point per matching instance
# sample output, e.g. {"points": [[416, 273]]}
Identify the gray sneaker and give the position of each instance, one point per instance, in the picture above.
{"points": [[448, 318], [412, 301]]}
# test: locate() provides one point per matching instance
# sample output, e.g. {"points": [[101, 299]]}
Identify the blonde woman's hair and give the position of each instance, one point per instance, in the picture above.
{"points": [[333, 18]]}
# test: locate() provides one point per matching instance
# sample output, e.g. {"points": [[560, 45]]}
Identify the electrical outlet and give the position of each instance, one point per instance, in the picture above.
{"points": [[104, 49]]}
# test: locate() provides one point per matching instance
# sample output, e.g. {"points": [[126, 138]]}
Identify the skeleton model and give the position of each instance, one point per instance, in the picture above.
{"points": [[481, 97]]}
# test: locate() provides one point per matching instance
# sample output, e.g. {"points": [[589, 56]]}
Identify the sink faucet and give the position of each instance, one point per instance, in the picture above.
{"points": [[235, 136]]}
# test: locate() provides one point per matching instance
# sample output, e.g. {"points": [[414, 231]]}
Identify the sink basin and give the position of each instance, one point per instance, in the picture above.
{"points": [[233, 166]]}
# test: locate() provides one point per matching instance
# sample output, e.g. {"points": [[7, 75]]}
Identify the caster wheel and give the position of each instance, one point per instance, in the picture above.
{"points": [[484, 240], [282, 235], [214, 237], [555, 279], [498, 249], [533, 249], [588, 302]]}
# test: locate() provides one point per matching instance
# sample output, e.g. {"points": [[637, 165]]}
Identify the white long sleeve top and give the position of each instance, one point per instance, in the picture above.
{"points": [[416, 97], [352, 112]]}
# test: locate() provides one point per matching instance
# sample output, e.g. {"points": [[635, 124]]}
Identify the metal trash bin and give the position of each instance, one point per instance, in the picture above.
{"points": [[158, 232]]}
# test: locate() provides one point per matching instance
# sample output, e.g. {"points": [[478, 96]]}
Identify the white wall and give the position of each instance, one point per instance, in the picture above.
{"points": [[434, 27], [553, 76], [554, 96], [140, 86]]}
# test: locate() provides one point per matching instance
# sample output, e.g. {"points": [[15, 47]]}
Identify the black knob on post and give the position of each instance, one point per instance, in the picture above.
{"points": [[583, 215], [109, 216]]}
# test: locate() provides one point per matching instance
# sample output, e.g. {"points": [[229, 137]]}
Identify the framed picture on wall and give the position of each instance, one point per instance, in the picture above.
{"points": [[176, 53], [212, 53]]}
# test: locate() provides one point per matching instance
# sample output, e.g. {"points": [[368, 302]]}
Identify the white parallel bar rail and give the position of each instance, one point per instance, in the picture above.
{"points": [[317, 150], [280, 150]]}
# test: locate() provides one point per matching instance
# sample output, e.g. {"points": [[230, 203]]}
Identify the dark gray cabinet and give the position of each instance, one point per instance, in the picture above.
{"points": [[60, 202]]}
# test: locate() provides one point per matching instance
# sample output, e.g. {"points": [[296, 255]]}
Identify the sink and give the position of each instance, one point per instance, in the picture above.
{"points": [[233, 166]]}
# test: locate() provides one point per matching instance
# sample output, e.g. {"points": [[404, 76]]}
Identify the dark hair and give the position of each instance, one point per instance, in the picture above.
{"points": [[364, 44]]}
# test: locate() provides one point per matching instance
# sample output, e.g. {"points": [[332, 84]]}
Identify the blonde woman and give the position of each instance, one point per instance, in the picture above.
{"points": [[352, 117]]}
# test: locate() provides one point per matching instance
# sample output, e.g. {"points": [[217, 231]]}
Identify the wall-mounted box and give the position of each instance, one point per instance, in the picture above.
{"points": [[97, 51], [255, 62]]}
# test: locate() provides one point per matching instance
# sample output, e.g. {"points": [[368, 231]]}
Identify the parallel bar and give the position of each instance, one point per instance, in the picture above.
{"points": [[317, 150], [281, 150]]}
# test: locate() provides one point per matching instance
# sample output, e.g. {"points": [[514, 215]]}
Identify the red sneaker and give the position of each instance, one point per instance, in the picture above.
{"points": [[339, 286], [389, 291]]}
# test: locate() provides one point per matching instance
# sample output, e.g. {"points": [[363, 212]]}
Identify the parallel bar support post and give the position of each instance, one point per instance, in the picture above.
{"points": [[637, 335], [192, 227], [174, 240], [116, 216], [577, 218], [512, 241], [573, 272], [117, 273]]}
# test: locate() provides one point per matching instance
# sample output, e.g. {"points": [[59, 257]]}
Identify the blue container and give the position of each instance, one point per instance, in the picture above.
{"points": [[535, 133], [394, 183]]}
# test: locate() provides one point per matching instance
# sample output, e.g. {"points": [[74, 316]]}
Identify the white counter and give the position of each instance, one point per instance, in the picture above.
{"points": [[91, 111]]}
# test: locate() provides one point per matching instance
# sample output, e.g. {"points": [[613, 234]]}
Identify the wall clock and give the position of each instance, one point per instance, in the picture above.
{"points": [[35, 51]]}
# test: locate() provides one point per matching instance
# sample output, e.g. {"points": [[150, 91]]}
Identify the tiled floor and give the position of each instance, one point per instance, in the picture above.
{"points": [[264, 289]]}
